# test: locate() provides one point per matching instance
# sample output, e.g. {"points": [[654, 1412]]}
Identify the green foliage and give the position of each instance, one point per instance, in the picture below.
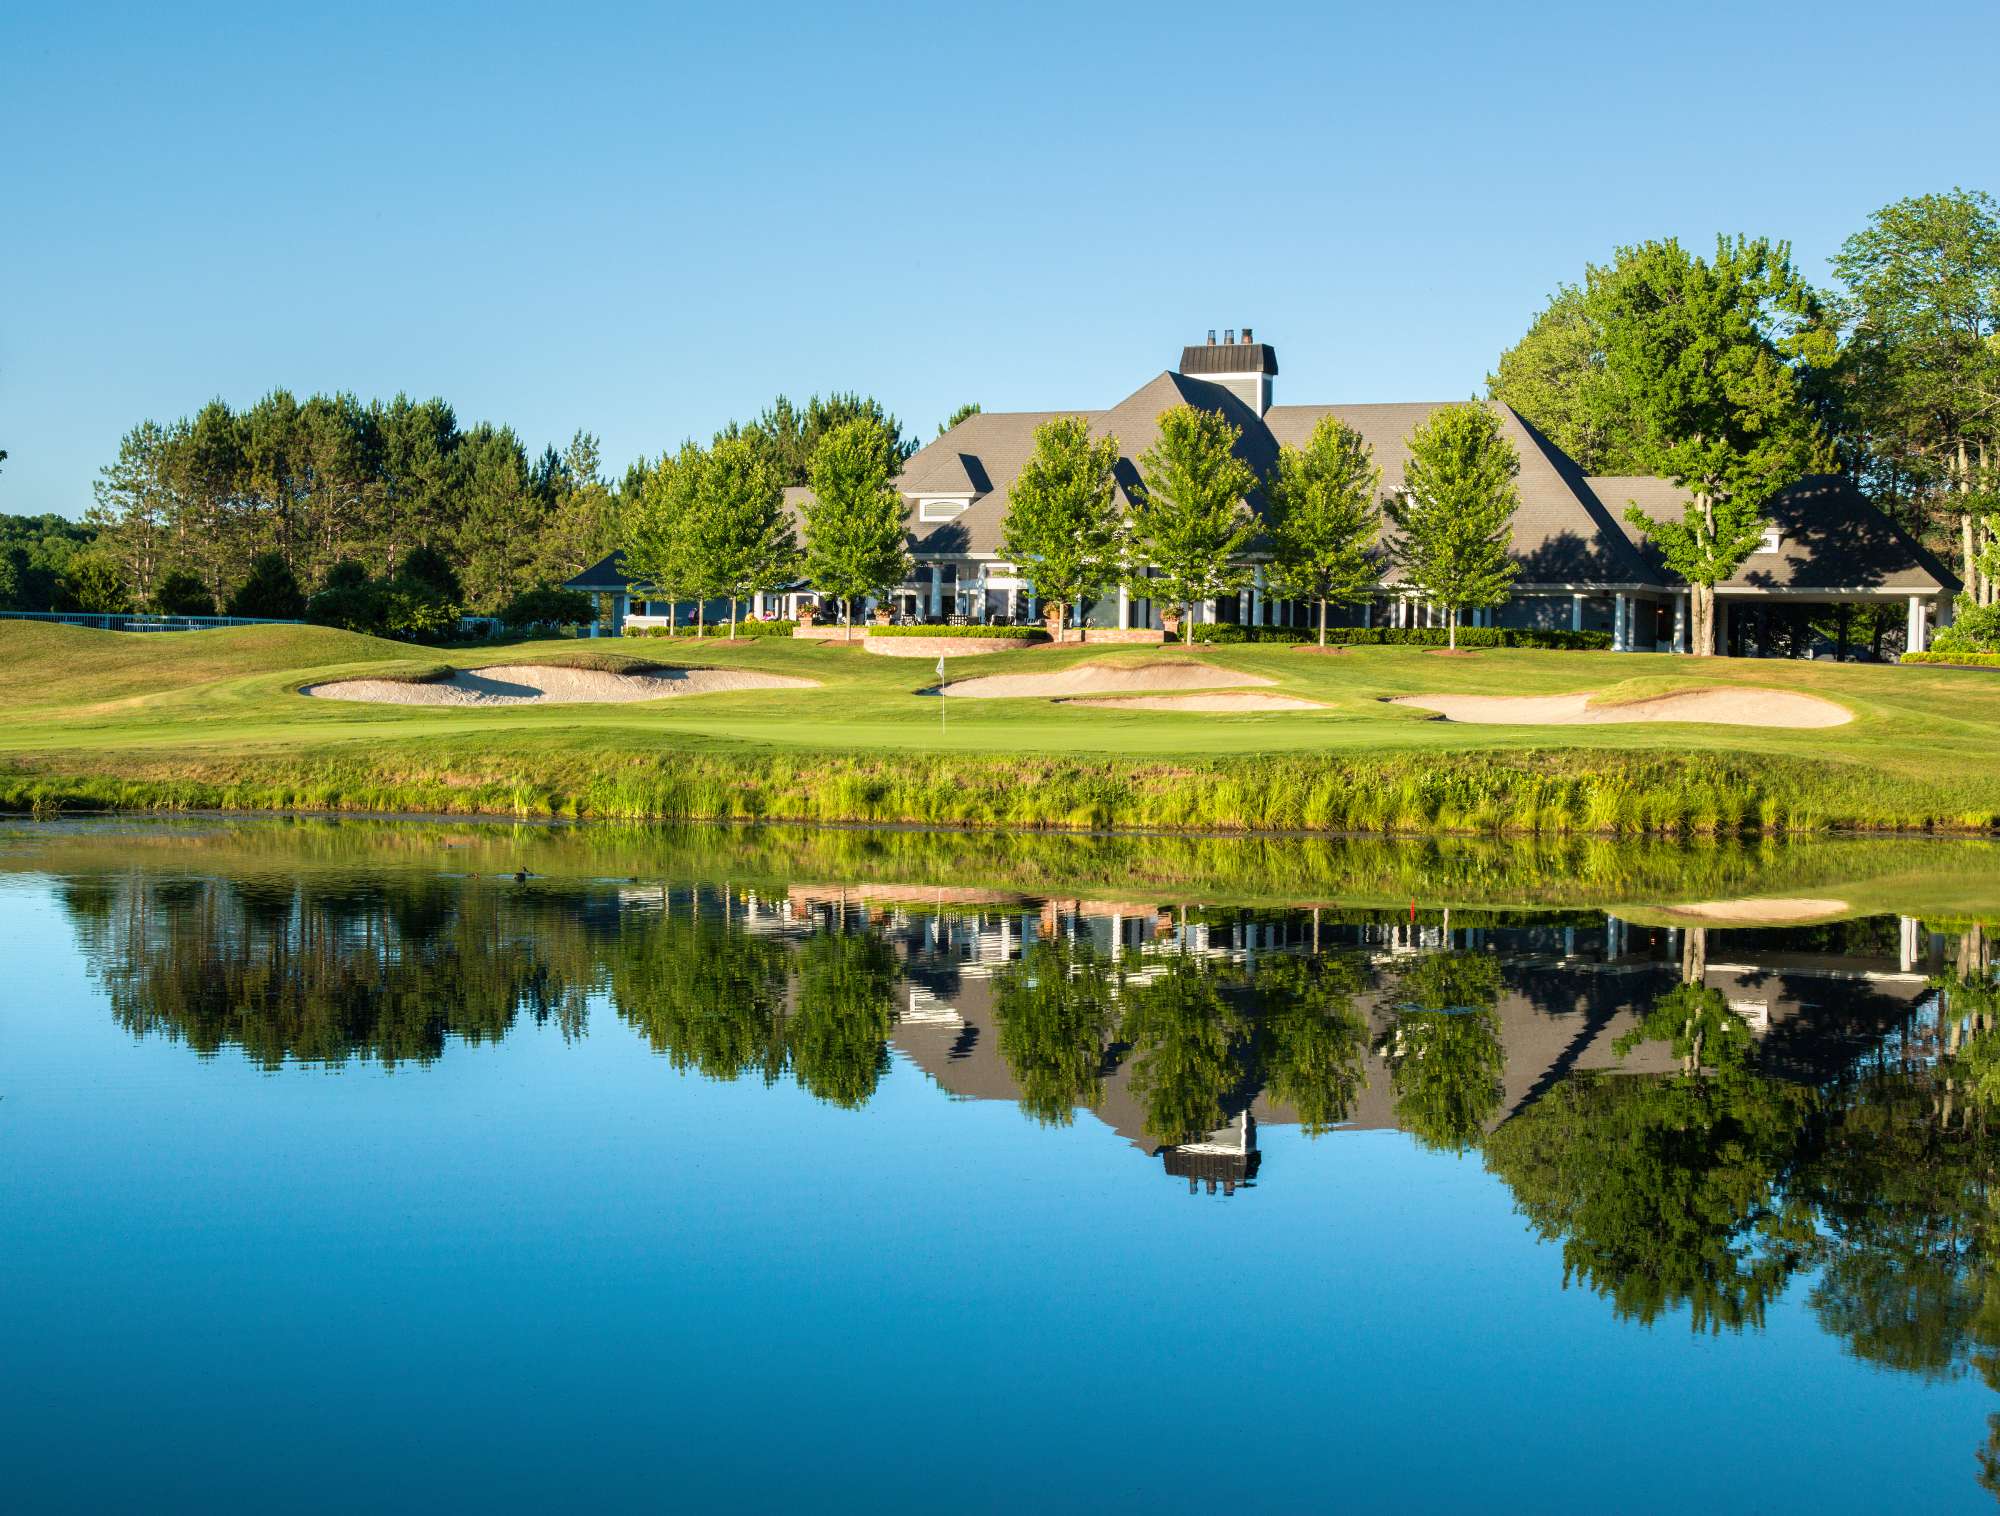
{"points": [[1714, 359], [1223, 633], [1311, 1040], [269, 592], [839, 1033], [744, 629], [854, 522], [334, 478], [969, 409], [1057, 1017], [1922, 366], [1061, 530], [743, 542], [663, 528], [993, 633], [1187, 1040], [182, 594], [417, 603], [788, 436], [35, 550], [1558, 379], [1971, 660], [548, 607], [1454, 517], [1323, 519], [1975, 630], [93, 581], [1191, 519]]}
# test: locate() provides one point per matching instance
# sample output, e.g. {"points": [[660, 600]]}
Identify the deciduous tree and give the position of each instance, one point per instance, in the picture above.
{"points": [[854, 522], [1711, 357], [1191, 519], [1062, 530], [1324, 520], [1454, 515]]}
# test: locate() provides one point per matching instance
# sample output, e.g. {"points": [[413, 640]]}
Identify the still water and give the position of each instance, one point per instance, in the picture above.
{"points": [[341, 1168]]}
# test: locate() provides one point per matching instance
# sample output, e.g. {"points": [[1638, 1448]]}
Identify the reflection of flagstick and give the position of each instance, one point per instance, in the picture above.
{"points": [[940, 694]]}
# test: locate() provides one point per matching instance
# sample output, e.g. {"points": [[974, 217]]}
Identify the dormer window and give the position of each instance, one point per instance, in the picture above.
{"points": [[1774, 538], [940, 510]]}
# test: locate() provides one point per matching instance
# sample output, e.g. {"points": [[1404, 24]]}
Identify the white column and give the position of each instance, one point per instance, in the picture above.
{"points": [[1242, 607], [1124, 608], [1914, 640], [1257, 596], [1576, 613], [937, 586], [1367, 613], [1906, 943], [1618, 636], [1681, 623]]}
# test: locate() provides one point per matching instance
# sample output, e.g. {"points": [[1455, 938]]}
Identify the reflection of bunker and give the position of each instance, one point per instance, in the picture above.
{"points": [[1569, 992]]}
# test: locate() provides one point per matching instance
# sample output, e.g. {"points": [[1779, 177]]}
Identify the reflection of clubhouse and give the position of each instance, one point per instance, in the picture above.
{"points": [[1568, 993]]}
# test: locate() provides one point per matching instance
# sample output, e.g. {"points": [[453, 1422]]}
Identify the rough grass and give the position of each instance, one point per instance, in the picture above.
{"points": [[201, 720]]}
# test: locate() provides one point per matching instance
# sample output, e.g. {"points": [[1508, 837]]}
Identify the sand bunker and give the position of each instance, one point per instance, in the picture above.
{"points": [[1221, 700], [1770, 909], [1101, 679], [547, 684], [1718, 707]]}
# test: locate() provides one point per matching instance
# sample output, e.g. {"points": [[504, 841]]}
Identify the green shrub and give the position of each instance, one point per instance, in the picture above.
{"points": [[1961, 660], [548, 607], [1977, 630], [182, 594], [995, 633], [270, 593], [720, 630], [1405, 636]]}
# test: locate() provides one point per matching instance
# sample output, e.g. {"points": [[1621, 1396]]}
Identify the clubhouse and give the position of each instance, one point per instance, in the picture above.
{"points": [[1582, 567]]}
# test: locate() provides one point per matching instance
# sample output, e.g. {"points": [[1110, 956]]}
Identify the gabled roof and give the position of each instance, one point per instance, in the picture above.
{"points": [[608, 573], [1832, 537], [1562, 532]]}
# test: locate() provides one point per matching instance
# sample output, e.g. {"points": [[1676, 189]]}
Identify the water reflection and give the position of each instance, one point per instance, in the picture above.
{"points": [[1697, 1119]]}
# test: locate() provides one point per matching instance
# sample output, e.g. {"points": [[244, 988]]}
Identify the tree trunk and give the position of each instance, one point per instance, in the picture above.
{"points": [[700, 619], [1451, 628], [1322, 625], [732, 615]]}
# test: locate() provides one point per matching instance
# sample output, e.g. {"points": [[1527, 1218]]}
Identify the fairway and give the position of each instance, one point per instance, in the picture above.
{"points": [[217, 717]]}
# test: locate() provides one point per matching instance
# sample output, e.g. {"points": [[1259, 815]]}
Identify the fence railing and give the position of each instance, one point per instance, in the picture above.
{"points": [[136, 621]]}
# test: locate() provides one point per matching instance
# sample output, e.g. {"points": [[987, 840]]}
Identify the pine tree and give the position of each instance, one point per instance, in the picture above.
{"points": [[1324, 521], [854, 522], [1191, 520], [1454, 516], [1061, 531]]}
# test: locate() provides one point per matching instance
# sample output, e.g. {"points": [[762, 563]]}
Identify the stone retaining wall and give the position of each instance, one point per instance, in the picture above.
{"points": [[948, 647]]}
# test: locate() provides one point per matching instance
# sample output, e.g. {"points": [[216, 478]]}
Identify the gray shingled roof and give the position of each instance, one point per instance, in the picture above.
{"points": [[1834, 537]]}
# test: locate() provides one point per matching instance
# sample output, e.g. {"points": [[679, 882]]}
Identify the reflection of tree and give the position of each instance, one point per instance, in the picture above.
{"points": [[375, 969], [1186, 1039], [1056, 1023], [838, 1036], [1310, 1039], [1667, 1191], [706, 993], [1444, 1054]]}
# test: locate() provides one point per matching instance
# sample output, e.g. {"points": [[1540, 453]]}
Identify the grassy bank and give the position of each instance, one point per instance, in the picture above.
{"points": [[213, 720]]}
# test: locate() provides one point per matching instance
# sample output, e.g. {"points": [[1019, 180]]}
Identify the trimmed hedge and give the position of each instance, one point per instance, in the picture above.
{"points": [[1405, 636], [992, 633], [719, 629], [1965, 660]]}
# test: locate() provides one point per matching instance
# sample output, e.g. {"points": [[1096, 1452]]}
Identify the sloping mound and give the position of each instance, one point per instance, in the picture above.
{"points": [[1222, 701], [551, 684], [1716, 707], [1101, 679]]}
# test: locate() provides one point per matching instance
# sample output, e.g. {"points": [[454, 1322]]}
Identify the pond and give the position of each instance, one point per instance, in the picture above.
{"points": [[391, 1165]]}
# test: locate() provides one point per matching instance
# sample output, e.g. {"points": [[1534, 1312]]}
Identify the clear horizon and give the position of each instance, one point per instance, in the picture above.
{"points": [[645, 227]]}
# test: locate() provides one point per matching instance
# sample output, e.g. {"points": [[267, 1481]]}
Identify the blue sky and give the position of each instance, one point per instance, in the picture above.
{"points": [[644, 223]]}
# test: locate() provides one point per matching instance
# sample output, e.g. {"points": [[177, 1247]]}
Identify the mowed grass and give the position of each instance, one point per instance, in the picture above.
{"points": [[215, 719]]}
